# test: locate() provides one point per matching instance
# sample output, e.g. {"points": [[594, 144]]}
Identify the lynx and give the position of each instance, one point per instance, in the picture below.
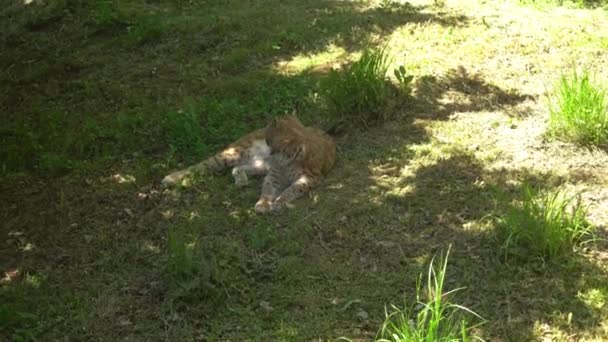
{"points": [[293, 158]]}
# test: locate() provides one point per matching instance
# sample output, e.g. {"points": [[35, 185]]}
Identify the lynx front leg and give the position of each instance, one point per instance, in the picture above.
{"points": [[256, 168], [298, 188], [182, 176], [229, 157]]}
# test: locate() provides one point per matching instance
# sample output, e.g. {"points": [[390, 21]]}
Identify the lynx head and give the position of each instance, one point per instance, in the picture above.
{"points": [[286, 135]]}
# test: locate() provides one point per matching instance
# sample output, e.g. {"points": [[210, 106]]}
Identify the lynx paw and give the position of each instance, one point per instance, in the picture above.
{"points": [[182, 178], [240, 177], [262, 206], [173, 178]]}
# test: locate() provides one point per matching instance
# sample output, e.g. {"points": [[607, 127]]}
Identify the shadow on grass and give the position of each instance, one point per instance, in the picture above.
{"points": [[215, 38], [461, 91], [210, 50], [99, 246], [455, 201], [269, 271]]}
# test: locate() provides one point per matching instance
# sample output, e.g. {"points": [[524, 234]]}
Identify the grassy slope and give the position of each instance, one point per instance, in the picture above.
{"points": [[85, 223]]}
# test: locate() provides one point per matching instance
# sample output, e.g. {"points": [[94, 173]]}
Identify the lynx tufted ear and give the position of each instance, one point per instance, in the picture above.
{"points": [[300, 153], [273, 122]]}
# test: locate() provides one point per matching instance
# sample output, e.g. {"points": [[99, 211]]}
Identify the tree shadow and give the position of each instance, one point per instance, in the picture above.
{"points": [[456, 201], [233, 38], [461, 91], [100, 234]]}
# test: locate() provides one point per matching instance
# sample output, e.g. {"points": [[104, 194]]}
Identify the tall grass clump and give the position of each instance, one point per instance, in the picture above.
{"points": [[361, 91], [187, 266], [580, 110], [432, 318], [545, 225]]}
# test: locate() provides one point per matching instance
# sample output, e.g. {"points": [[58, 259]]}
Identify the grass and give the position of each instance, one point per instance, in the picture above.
{"points": [[101, 99], [430, 319], [39, 146], [187, 265], [146, 29], [361, 92], [106, 13], [580, 112], [546, 225], [566, 3]]}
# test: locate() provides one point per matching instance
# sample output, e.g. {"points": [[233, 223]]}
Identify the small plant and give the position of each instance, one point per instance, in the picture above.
{"points": [[545, 225], [405, 80], [146, 29], [430, 319], [580, 112], [187, 266], [105, 13], [262, 237], [360, 93]]}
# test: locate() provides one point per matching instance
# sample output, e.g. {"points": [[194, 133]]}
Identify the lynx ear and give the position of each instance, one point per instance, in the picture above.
{"points": [[273, 122], [300, 152]]}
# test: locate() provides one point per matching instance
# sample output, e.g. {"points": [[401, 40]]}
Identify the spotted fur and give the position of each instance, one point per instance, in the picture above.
{"points": [[301, 158], [293, 157], [245, 157]]}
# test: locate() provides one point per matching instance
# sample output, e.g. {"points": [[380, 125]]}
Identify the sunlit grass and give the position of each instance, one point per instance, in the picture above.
{"points": [[580, 111], [565, 3], [429, 319], [545, 225], [312, 62]]}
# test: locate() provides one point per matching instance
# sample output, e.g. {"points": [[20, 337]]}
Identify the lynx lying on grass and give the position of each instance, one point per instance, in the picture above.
{"points": [[293, 157]]}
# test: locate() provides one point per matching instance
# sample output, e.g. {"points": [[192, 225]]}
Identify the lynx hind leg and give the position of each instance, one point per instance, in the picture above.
{"points": [[269, 193], [297, 189]]}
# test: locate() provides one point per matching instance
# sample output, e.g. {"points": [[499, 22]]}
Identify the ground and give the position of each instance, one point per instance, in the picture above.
{"points": [[90, 92]]}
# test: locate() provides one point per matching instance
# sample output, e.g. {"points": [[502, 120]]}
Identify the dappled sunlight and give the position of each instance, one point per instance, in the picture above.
{"points": [[10, 276], [167, 214], [450, 192], [499, 37], [123, 179], [151, 246], [19, 240], [547, 332], [321, 62], [194, 215], [88, 226], [32, 280], [595, 298], [505, 143]]}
